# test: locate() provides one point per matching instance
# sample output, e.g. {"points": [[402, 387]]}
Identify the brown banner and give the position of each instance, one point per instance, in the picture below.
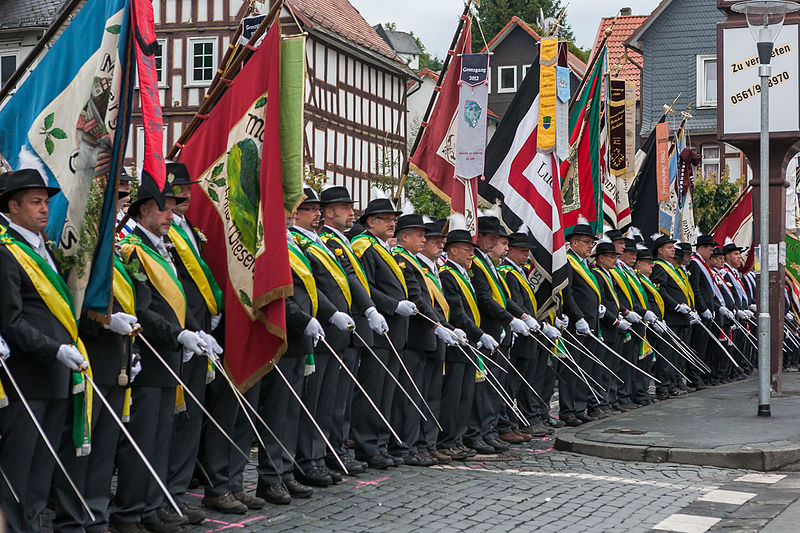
{"points": [[662, 160], [616, 128]]}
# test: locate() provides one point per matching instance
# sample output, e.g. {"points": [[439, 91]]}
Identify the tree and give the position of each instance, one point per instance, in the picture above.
{"points": [[426, 60], [494, 14], [712, 199]]}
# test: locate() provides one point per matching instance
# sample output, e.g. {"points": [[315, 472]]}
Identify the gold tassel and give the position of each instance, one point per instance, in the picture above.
{"points": [[180, 402]]}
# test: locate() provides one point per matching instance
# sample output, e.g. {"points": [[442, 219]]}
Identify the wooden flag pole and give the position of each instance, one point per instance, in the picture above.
{"points": [[590, 68], [450, 53]]}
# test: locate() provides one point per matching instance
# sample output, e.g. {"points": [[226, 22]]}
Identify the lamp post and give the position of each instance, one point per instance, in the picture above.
{"points": [[765, 19]]}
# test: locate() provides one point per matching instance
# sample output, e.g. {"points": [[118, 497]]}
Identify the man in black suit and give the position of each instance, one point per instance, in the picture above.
{"points": [[338, 218], [43, 354], [720, 363], [581, 299], [168, 325], [390, 294], [701, 280]]}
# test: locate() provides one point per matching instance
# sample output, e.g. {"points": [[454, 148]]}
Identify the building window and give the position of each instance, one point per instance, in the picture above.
{"points": [[506, 79], [8, 64], [161, 67], [202, 60], [707, 81], [711, 162]]}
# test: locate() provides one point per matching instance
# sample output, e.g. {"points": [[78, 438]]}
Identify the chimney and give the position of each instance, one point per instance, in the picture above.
{"points": [[625, 12]]}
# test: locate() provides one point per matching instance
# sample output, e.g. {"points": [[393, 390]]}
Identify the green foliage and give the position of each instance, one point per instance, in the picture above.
{"points": [[243, 165], [424, 200], [712, 199], [426, 60], [494, 14]]}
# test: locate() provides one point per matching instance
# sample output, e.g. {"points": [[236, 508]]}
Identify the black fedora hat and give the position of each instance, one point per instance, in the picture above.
{"points": [[605, 247], [459, 236], [717, 251], [335, 195], [3, 179], [379, 206], [520, 240], [614, 235], [433, 229], [679, 253], [580, 229], [660, 240], [148, 191], [686, 247], [491, 225], [178, 174], [21, 180], [643, 253], [630, 245], [310, 196], [411, 221], [731, 247], [124, 176], [706, 240]]}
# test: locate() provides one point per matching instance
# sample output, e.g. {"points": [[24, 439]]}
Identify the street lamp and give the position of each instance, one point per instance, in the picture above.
{"points": [[765, 19]]}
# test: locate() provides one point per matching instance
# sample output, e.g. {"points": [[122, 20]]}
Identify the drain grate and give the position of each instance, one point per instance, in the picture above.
{"points": [[624, 431]]}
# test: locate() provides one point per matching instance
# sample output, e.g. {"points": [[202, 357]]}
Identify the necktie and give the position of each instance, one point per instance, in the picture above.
{"points": [[41, 249]]}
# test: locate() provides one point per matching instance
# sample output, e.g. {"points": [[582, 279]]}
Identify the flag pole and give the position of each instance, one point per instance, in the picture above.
{"points": [[215, 91], [450, 53], [590, 68]]}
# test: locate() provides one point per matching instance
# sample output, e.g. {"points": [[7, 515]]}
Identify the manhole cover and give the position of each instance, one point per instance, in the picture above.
{"points": [[625, 431]]}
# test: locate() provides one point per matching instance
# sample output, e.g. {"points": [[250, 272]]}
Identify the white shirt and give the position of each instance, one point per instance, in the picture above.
{"points": [[160, 247], [35, 241], [488, 260], [428, 263], [339, 234], [383, 243], [312, 236], [181, 221], [462, 270]]}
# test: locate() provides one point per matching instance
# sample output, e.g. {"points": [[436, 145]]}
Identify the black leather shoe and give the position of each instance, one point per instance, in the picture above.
{"points": [[410, 459], [585, 418], [467, 450], [159, 526], [553, 422], [426, 459], [298, 490], [498, 445], [395, 459], [377, 461], [599, 414], [314, 476], [118, 526], [275, 493], [168, 515], [480, 446], [336, 477], [572, 421], [353, 467]]}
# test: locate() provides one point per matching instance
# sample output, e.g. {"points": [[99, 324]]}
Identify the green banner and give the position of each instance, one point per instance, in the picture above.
{"points": [[293, 70], [793, 256]]}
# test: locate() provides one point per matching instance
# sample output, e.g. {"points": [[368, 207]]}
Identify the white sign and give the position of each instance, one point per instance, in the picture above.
{"points": [[742, 87]]}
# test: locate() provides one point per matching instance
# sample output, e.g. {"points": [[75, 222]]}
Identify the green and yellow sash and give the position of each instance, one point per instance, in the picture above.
{"points": [[654, 293], [638, 290], [302, 267], [584, 272], [689, 289], [508, 269], [159, 273], [466, 289], [124, 293], [360, 274], [329, 261], [499, 293], [622, 284], [683, 284], [56, 295], [360, 245], [197, 268], [432, 284], [609, 284]]}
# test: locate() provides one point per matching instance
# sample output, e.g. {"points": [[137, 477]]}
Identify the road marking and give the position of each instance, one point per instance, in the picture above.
{"points": [[761, 478], [686, 523], [733, 497]]}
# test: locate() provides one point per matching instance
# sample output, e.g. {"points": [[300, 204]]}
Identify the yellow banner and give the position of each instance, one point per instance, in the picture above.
{"points": [[548, 59]]}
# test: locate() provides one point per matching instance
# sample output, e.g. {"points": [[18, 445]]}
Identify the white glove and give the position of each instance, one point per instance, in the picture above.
{"points": [[405, 308], [550, 332], [211, 343], [192, 342], [488, 342], [789, 317], [215, 320], [750, 314], [601, 311], [741, 315], [582, 327], [694, 318], [136, 367], [683, 309], [658, 327], [532, 323], [649, 316], [633, 317], [624, 325], [447, 336], [726, 312], [519, 327], [5, 351], [461, 335], [69, 356], [343, 321], [707, 314], [121, 323], [562, 322], [376, 321], [314, 330], [753, 308]]}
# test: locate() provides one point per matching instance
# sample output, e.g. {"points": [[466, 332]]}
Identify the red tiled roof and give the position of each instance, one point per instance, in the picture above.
{"points": [[624, 27], [422, 73], [340, 17]]}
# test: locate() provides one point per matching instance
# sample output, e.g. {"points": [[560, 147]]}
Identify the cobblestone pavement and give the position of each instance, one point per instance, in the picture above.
{"points": [[531, 488]]}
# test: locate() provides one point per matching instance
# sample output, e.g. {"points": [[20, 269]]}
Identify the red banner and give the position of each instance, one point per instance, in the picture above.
{"points": [[238, 203], [662, 161], [152, 122]]}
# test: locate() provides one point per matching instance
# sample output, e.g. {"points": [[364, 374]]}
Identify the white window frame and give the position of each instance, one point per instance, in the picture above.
{"points": [[500, 88], [163, 83], [706, 162], [525, 69], [704, 100], [190, 42], [11, 52]]}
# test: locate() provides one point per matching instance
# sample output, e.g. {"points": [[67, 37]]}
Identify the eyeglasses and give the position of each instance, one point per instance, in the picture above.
{"points": [[584, 241], [387, 219], [310, 208]]}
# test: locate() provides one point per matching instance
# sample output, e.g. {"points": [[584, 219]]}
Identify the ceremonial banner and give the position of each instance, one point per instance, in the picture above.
{"points": [[662, 161], [669, 215], [643, 194], [581, 188], [68, 118], [293, 79], [562, 112], [548, 57], [793, 256], [630, 133], [607, 180], [616, 128], [473, 100], [527, 182], [737, 223], [238, 203]]}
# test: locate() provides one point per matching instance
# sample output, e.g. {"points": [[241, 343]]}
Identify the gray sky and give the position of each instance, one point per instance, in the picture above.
{"points": [[434, 21]]}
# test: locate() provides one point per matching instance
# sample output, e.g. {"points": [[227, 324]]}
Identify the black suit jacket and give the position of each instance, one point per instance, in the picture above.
{"points": [[460, 314], [525, 346], [108, 352], [494, 317], [610, 331], [580, 300], [299, 311], [703, 293], [672, 294], [32, 332], [198, 316]]}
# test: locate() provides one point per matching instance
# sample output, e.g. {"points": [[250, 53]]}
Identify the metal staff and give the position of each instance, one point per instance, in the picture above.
{"points": [[45, 439], [590, 355], [662, 356], [9, 485], [568, 357], [676, 342], [611, 350], [243, 403], [360, 387], [397, 382], [747, 335], [188, 391], [497, 388], [510, 364], [133, 443], [408, 374], [708, 331]]}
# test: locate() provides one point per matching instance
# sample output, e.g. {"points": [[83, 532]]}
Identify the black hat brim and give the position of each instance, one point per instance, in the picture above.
{"points": [[8, 193], [363, 218], [340, 200], [133, 209]]}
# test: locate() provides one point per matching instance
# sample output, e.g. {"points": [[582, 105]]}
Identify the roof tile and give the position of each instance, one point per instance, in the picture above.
{"points": [[623, 28]]}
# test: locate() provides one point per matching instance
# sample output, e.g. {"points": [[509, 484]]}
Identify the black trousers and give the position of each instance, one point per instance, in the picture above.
{"points": [[457, 397], [700, 344], [281, 411], [405, 419], [152, 414], [487, 403], [640, 384], [340, 418], [244, 436], [215, 452], [431, 386], [26, 461], [370, 433], [319, 390], [572, 390], [187, 428], [91, 473]]}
